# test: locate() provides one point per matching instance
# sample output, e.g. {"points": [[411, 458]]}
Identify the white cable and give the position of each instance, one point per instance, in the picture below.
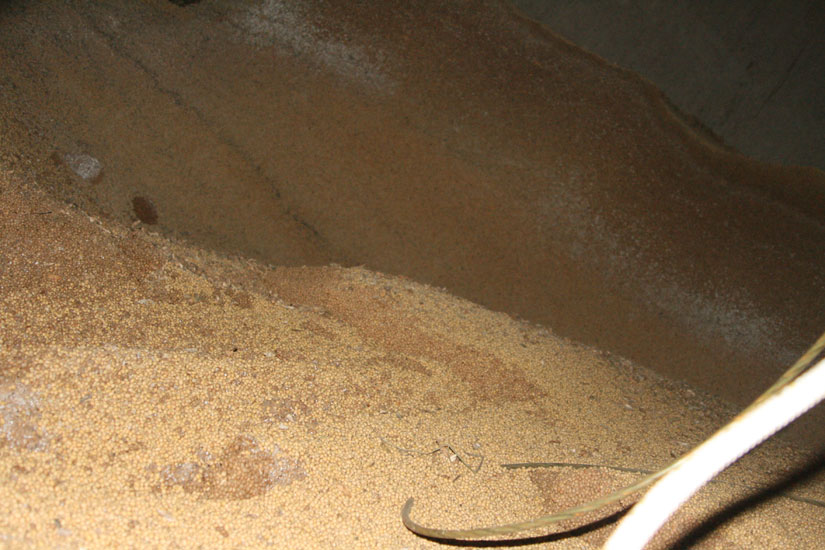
{"points": [[716, 454]]}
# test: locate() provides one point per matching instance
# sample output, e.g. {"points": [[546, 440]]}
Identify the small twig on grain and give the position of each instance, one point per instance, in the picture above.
{"points": [[452, 456]]}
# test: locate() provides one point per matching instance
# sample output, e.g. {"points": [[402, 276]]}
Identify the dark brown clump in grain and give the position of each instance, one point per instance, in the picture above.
{"points": [[145, 210]]}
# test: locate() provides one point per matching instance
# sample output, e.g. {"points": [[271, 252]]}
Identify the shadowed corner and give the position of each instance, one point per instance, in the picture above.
{"points": [[780, 489]]}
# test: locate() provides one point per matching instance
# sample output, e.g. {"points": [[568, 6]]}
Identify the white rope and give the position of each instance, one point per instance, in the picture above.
{"points": [[716, 454]]}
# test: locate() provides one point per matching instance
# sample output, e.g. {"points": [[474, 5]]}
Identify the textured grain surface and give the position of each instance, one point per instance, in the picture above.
{"points": [[157, 387], [467, 149]]}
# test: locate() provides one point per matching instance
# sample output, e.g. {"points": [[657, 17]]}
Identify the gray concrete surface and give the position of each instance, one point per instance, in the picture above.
{"points": [[753, 71]]}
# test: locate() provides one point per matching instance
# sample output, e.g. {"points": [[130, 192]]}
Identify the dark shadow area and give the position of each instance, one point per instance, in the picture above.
{"points": [[814, 466]]}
